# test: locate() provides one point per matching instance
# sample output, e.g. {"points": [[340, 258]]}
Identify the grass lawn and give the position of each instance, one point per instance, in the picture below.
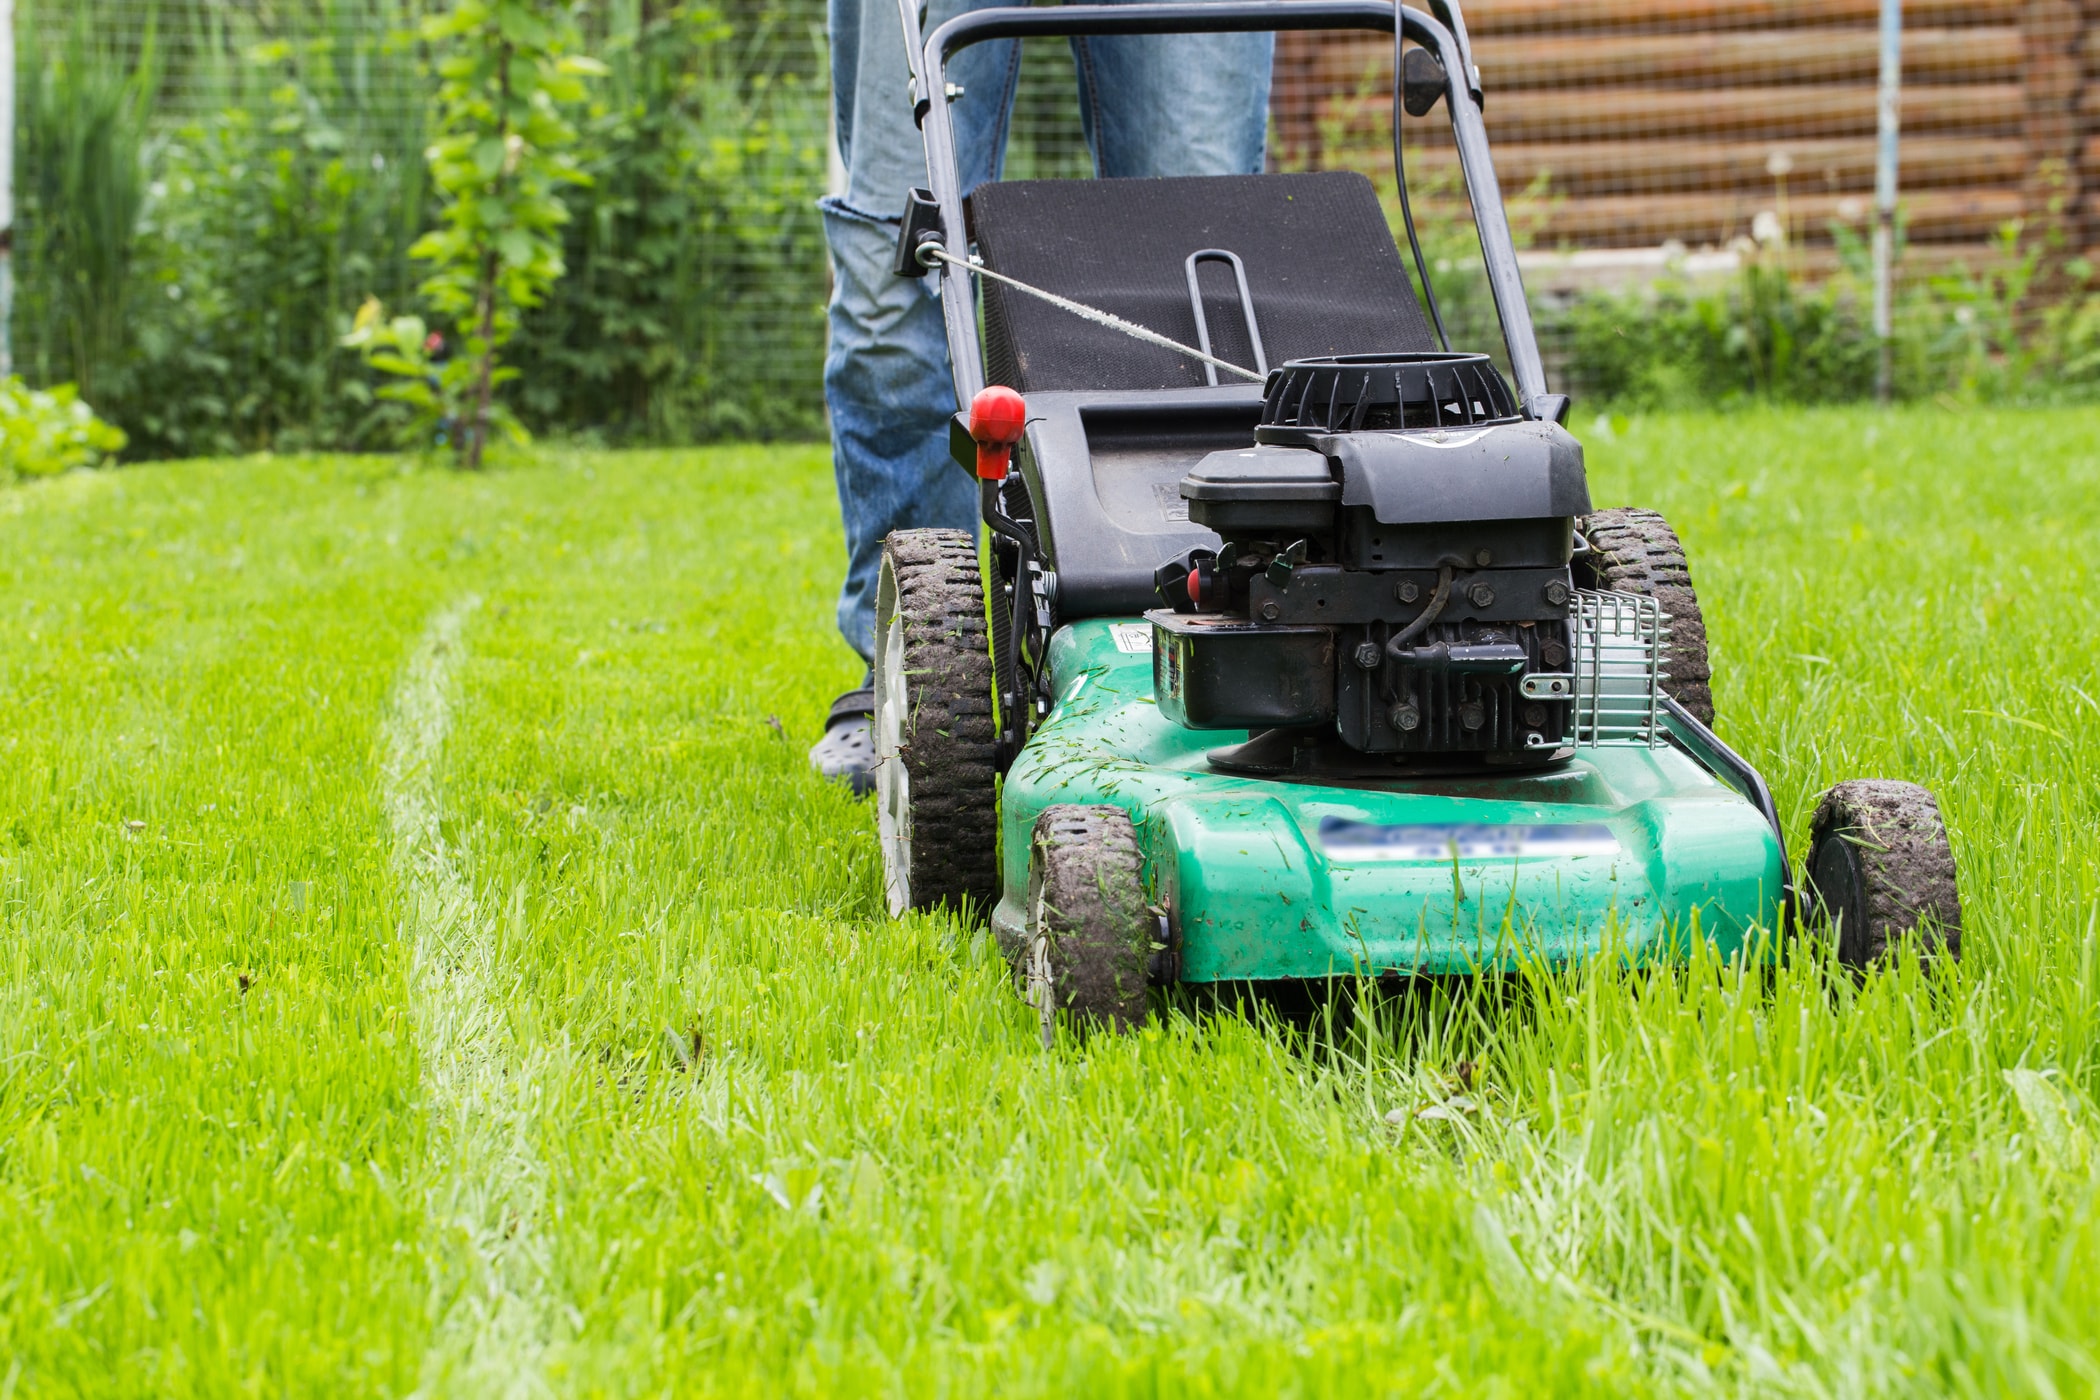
{"points": [[426, 963]]}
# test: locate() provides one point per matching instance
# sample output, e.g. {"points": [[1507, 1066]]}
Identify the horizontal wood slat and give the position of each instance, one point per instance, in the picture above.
{"points": [[1548, 273], [1619, 114], [1489, 17], [1659, 167], [1659, 60], [1632, 221]]}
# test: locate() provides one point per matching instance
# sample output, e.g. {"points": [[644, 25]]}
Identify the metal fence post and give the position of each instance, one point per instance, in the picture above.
{"points": [[1888, 113], [7, 185]]}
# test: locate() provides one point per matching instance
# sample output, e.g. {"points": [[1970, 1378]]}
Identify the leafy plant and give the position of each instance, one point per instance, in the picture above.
{"points": [[406, 350], [501, 156], [693, 303], [279, 177], [47, 431], [270, 220]]}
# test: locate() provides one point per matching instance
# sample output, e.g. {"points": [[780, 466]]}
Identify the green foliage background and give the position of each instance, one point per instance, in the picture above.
{"points": [[257, 171], [209, 189]]}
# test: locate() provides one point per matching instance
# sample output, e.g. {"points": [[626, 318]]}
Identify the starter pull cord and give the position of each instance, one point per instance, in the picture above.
{"points": [[930, 252]]}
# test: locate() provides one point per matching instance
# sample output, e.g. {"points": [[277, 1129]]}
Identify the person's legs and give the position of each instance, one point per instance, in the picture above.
{"points": [[1157, 105], [1154, 105], [887, 383], [1175, 104], [887, 379]]}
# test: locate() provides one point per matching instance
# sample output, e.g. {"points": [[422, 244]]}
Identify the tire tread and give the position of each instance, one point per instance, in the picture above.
{"points": [[1900, 842], [951, 743], [1636, 551], [1086, 867]]}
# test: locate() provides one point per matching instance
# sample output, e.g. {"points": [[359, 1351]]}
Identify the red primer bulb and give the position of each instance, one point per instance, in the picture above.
{"points": [[998, 416], [1196, 587]]}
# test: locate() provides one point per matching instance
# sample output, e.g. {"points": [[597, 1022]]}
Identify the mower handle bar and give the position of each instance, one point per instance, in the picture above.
{"points": [[944, 179]]}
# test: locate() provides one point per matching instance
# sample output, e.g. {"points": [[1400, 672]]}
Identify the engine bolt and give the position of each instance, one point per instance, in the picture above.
{"points": [[1557, 593], [1368, 655], [1483, 559], [1553, 653], [1406, 717], [1534, 715], [1482, 596], [1271, 610], [1472, 716], [1406, 592]]}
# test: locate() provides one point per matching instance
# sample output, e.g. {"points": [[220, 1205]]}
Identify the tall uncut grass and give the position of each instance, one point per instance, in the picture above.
{"points": [[756, 1137], [83, 114]]}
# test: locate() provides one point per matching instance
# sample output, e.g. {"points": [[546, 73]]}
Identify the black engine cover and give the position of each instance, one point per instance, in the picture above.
{"points": [[1398, 507], [1459, 691]]}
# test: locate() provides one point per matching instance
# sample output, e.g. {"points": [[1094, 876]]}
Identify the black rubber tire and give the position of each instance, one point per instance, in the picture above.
{"points": [[1636, 551], [1879, 866], [1090, 930], [936, 766]]}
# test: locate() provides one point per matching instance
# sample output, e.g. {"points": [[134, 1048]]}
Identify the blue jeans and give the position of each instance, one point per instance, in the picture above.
{"points": [[1177, 104]]}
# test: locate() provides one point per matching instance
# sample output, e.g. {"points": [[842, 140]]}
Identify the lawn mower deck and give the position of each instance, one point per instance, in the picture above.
{"points": [[1334, 673], [1262, 879]]}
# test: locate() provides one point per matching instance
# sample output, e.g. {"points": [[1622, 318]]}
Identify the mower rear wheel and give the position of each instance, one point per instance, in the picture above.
{"points": [[1636, 551], [1090, 930], [1880, 866], [936, 749]]}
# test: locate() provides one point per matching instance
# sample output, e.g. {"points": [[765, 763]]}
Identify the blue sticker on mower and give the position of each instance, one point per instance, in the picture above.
{"points": [[1349, 841]]}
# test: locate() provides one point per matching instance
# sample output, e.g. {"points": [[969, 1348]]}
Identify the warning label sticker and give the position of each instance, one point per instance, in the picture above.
{"points": [[1132, 636], [1356, 842]]}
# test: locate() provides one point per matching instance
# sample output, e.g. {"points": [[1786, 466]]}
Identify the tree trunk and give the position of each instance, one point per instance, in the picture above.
{"points": [[474, 434]]}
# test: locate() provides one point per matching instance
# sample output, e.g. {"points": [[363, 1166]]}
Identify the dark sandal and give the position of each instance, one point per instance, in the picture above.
{"points": [[847, 750]]}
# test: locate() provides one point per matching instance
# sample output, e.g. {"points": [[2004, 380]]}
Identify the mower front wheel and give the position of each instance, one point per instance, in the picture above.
{"points": [[1879, 867], [936, 749], [1090, 929], [1636, 551]]}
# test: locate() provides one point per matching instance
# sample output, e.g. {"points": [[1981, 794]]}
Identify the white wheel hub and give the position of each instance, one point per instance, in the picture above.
{"points": [[1041, 985], [892, 780]]}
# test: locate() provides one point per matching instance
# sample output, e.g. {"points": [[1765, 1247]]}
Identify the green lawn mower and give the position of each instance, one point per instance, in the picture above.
{"points": [[1333, 672]]}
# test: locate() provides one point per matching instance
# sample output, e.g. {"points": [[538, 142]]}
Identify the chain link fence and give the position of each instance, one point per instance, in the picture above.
{"points": [[277, 151]]}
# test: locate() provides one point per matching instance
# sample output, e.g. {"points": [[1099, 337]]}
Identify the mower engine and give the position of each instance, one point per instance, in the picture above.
{"points": [[1394, 574]]}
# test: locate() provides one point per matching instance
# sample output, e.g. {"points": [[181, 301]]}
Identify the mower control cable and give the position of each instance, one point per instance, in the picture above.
{"points": [[1407, 213], [931, 252]]}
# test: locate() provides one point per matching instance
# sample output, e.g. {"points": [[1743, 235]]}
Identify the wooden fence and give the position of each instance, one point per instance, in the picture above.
{"points": [[1647, 121]]}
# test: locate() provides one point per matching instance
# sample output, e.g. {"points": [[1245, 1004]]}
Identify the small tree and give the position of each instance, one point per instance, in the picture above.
{"points": [[505, 70]]}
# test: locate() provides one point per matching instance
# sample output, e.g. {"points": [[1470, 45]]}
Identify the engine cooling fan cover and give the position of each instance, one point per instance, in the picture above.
{"points": [[1390, 393]]}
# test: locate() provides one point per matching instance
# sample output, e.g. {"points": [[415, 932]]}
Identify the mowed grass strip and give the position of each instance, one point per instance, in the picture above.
{"points": [[787, 1143]]}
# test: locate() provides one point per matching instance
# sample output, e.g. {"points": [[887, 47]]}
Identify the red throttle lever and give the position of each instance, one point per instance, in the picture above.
{"points": [[998, 416]]}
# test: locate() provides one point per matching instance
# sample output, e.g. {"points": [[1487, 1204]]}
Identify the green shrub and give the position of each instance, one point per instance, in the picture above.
{"points": [[1763, 337], [207, 197], [1974, 332], [83, 181], [276, 181], [693, 306], [198, 293], [47, 431], [269, 226]]}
